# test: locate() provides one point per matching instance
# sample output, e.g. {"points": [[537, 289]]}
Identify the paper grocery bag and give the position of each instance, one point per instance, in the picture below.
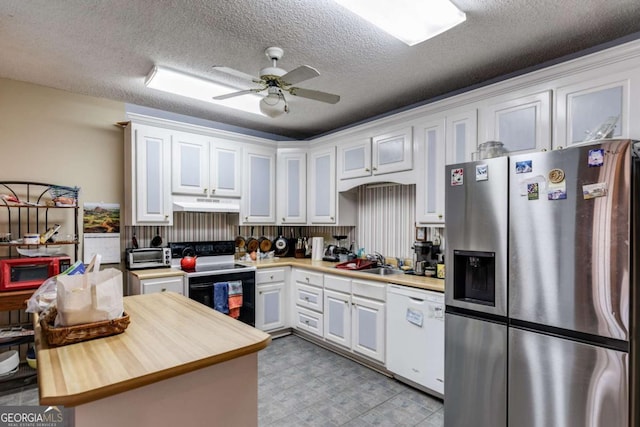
{"points": [[91, 297]]}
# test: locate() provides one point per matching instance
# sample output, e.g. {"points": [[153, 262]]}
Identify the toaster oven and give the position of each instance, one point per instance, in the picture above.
{"points": [[148, 258]]}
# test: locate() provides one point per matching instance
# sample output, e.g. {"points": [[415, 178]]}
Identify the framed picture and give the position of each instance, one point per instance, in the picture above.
{"points": [[421, 234]]}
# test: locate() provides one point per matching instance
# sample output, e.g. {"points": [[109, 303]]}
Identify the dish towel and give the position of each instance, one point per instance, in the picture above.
{"points": [[221, 297], [235, 298]]}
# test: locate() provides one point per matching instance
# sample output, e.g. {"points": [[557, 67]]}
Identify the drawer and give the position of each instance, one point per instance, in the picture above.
{"points": [[309, 277], [337, 283], [372, 290], [309, 296], [270, 275], [309, 321], [172, 284]]}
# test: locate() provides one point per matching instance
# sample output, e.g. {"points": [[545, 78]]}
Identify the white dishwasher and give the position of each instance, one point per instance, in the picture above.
{"points": [[415, 336]]}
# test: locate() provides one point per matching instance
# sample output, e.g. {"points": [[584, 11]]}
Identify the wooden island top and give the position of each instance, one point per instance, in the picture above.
{"points": [[169, 335]]}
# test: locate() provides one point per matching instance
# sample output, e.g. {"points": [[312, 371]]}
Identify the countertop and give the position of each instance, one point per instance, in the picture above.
{"points": [[422, 282], [169, 335]]}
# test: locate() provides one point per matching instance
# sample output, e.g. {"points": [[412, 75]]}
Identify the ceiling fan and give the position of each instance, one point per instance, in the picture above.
{"points": [[276, 81]]}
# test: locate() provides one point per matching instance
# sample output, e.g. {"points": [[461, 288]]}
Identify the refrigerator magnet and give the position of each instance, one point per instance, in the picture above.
{"points": [[596, 157], [556, 176], [591, 191], [524, 166], [482, 172], [457, 177], [533, 191], [557, 191]]}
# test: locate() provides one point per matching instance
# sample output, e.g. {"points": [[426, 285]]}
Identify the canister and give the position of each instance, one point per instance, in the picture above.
{"points": [[31, 239], [440, 271]]}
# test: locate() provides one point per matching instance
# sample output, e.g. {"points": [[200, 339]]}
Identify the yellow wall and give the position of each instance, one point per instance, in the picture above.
{"points": [[53, 136]]}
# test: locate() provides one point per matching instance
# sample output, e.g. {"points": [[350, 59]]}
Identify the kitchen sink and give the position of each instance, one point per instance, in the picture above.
{"points": [[382, 271]]}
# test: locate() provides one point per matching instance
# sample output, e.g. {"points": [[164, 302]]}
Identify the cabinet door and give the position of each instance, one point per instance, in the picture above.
{"points": [[258, 201], [393, 151], [152, 176], [225, 170], [368, 320], [292, 186], [592, 110], [522, 124], [461, 136], [430, 186], [270, 305], [322, 191], [354, 159], [189, 164], [337, 318]]}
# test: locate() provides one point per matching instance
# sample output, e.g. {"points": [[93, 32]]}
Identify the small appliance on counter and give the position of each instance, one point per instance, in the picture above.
{"points": [[337, 253], [139, 258], [426, 258]]}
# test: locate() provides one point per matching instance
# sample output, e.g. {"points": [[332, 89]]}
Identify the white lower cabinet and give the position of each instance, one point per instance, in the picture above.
{"points": [[354, 315], [308, 294], [337, 318], [271, 299], [138, 286], [368, 327]]}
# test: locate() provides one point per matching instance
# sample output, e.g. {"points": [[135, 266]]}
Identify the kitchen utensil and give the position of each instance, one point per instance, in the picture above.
{"points": [[240, 242], [156, 242], [281, 245], [134, 242], [264, 243], [252, 242]]}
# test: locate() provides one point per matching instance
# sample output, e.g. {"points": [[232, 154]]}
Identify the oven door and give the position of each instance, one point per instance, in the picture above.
{"points": [[201, 290]]}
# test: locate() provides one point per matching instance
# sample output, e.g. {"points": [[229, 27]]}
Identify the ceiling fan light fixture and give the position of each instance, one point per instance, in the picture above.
{"points": [[274, 103], [410, 21], [190, 86]]}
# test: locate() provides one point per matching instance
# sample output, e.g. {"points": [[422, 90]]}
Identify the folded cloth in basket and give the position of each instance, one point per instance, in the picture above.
{"points": [[221, 297], [235, 298]]}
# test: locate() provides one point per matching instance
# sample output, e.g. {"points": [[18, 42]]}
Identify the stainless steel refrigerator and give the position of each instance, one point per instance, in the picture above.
{"points": [[545, 334]]}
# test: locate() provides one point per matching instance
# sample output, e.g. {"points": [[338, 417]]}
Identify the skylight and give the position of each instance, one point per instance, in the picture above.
{"points": [[411, 21]]}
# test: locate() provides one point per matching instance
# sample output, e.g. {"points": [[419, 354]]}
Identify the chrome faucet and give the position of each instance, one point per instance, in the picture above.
{"points": [[380, 259]]}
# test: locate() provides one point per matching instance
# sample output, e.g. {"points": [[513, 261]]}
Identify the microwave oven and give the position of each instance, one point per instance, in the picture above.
{"points": [[148, 258], [29, 273]]}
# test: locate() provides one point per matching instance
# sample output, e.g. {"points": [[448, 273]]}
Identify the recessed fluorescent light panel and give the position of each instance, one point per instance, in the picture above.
{"points": [[411, 21], [179, 83]]}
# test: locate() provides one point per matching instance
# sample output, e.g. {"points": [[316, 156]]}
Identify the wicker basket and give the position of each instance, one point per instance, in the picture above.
{"points": [[78, 333]]}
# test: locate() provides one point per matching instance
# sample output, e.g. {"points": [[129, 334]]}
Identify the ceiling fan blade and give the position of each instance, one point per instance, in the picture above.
{"points": [[300, 74], [234, 94], [235, 74], [314, 94]]}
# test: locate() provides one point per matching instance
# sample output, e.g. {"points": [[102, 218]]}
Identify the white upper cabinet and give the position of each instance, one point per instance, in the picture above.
{"points": [[430, 161], [522, 124], [392, 152], [205, 166], [292, 186], [591, 110], [189, 164], [147, 176], [354, 159], [385, 153], [259, 192], [461, 135], [322, 186]]}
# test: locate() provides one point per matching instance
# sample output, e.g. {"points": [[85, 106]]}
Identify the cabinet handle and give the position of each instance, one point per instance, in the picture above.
{"points": [[306, 278], [366, 169], [439, 216], [271, 277], [375, 169], [260, 292], [306, 298], [163, 290], [213, 190], [331, 218], [306, 321], [166, 217], [205, 191], [283, 219], [246, 218]]}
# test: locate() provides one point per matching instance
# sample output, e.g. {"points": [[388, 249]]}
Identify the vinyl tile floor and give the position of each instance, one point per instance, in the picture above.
{"points": [[301, 384]]}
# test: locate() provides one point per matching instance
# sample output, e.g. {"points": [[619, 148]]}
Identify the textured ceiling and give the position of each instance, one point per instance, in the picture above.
{"points": [[106, 48]]}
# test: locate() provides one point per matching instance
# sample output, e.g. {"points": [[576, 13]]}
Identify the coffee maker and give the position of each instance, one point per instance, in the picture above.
{"points": [[426, 252]]}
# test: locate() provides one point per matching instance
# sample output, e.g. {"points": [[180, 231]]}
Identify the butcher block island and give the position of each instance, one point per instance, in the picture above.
{"points": [[178, 363]]}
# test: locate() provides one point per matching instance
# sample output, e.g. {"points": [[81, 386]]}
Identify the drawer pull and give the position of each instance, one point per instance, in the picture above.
{"points": [[163, 290]]}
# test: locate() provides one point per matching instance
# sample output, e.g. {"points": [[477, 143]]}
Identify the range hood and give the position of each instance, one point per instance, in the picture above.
{"points": [[189, 204]]}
